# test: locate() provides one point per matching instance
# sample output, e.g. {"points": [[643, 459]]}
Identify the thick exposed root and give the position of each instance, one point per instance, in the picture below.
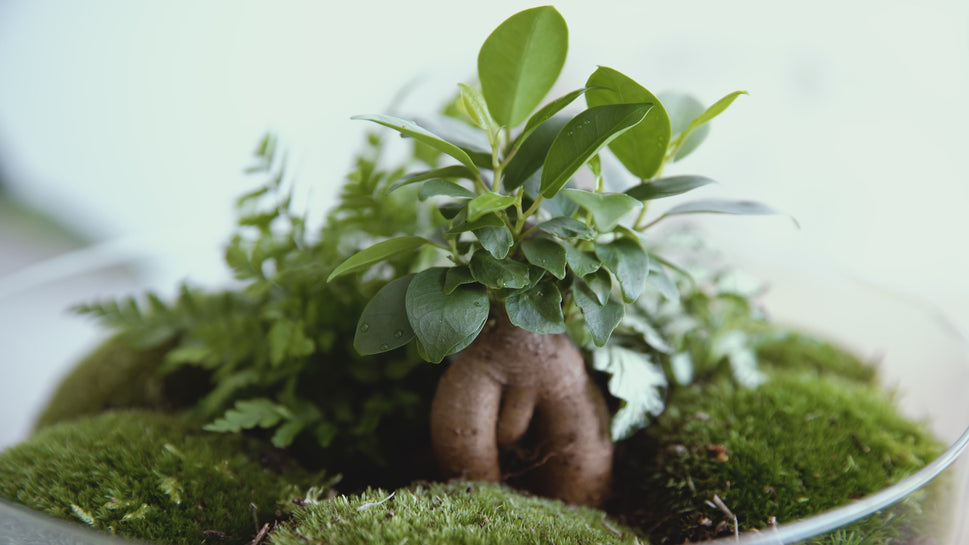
{"points": [[509, 382]]}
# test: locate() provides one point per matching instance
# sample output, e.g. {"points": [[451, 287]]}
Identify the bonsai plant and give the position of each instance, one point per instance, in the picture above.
{"points": [[516, 240], [537, 267]]}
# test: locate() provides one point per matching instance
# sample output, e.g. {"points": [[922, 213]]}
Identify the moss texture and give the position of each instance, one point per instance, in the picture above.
{"points": [[148, 476], [457, 513], [808, 440], [117, 375]]}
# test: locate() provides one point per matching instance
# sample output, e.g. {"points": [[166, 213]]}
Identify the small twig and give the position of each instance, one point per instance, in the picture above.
{"points": [[262, 533], [368, 505], [726, 511], [615, 532]]}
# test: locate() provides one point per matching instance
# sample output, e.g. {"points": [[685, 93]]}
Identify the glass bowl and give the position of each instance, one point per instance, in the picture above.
{"points": [[920, 354]]}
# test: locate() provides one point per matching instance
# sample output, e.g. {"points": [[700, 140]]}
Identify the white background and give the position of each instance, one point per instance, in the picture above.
{"points": [[134, 120]]}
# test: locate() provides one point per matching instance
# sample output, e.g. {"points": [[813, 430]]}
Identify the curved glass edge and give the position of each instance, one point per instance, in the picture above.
{"points": [[22, 526]]}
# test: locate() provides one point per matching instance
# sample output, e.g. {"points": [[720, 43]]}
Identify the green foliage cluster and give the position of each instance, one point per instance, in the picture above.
{"points": [[276, 349], [817, 435], [149, 476], [455, 513]]}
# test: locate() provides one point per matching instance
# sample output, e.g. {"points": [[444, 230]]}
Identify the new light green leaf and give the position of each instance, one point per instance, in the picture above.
{"points": [[582, 138], [377, 253], [248, 414], [443, 322], [474, 105], [607, 208], [538, 309], [667, 187], [520, 61], [547, 254], [683, 109], [487, 203], [626, 259], [638, 382], [713, 111], [415, 131], [383, 324], [642, 149]]}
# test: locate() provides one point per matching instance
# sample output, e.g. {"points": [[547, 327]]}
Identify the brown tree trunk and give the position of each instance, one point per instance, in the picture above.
{"points": [[509, 382]]}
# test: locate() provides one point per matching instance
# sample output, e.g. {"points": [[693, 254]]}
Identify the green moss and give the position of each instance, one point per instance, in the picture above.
{"points": [[146, 475], [807, 440], [790, 351], [465, 513], [117, 375]]}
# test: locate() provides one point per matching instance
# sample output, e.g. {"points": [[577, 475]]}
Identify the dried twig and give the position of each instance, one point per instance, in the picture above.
{"points": [[726, 511], [262, 533]]}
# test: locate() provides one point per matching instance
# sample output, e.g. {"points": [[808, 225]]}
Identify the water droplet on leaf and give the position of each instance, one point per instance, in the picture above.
{"points": [[364, 328], [398, 334], [384, 346]]}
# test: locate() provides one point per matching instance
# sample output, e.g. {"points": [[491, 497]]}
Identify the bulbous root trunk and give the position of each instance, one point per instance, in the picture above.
{"points": [[509, 382]]}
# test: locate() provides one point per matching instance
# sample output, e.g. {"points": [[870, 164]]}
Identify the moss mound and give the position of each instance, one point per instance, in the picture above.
{"points": [[117, 375], [457, 513], [148, 476], [807, 440]]}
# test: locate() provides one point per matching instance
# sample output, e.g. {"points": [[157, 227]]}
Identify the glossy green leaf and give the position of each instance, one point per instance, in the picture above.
{"points": [[474, 105], [582, 263], [377, 253], [642, 149], [531, 154], [383, 324], [415, 131], [439, 187], [498, 273], [520, 61], [547, 112], [627, 260], [538, 309], [444, 322], [667, 187], [638, 382], [447, 173], [497, 240], [582, 138], [607, 208], [683, 109], [601, 318], [567, 228], [487, 220], [456, 276], [488, 203], [547, 254], [600, 282]]}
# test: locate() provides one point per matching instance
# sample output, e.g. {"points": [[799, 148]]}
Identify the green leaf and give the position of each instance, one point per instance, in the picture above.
{"points": [[626, 259], [449, 172], [443, 322], [547, 112], [642, 149], [520, 61], [602, 319], [286, 434], [582, 263], [637, 382], [487, 220], [538, 309], [437, 186], [683, 109], [667, 187], [547, 254], [456, 276], [377, 253], [286, 339], [601, 285], [661, 279], [248, 414], [531, 154], [716, 206], [567, 228], [415, 131], [498, 273], [383, 323], [606, 208], [498, 241], [582, 138], [710, 113], [487, 203], [474, 105]]}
